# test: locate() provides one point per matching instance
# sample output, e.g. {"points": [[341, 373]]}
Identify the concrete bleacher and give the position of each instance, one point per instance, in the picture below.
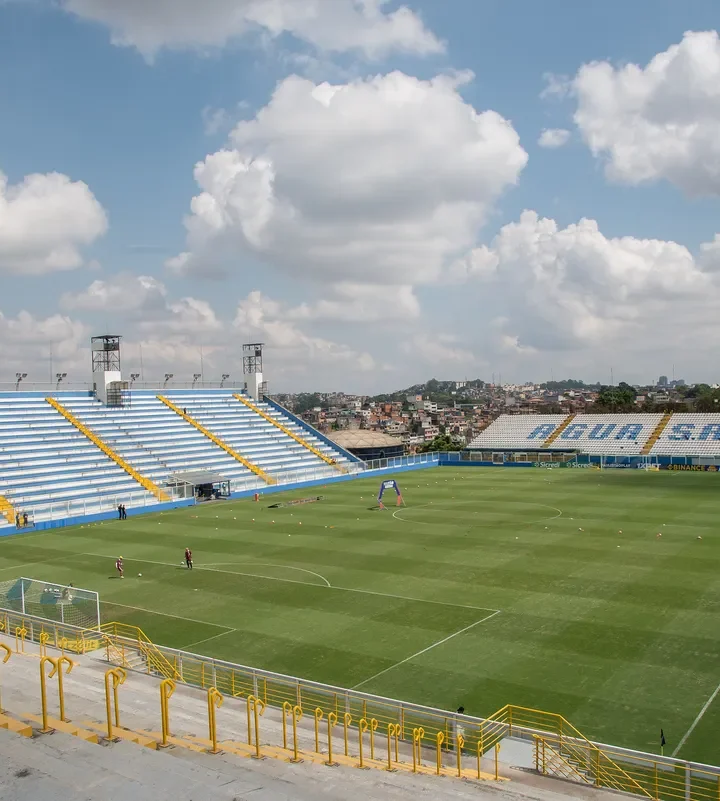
{"points": [[63, 767], [47, 464], [619, 434]]}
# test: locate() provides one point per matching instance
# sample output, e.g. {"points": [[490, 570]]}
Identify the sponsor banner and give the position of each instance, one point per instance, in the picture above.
{"points": [[692, 468]]}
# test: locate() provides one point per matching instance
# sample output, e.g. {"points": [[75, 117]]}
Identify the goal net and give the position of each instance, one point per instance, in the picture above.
{"points": [[61, 603]]}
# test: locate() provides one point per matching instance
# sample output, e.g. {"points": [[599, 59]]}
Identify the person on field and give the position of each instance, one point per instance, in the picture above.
{"points": [[119, 566], [188, 558]]}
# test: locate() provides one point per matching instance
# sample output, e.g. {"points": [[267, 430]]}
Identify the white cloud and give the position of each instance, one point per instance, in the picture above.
{"points": [[661, 121], [329, 25], [574, 287], [381, 180], [439, 349], [710, 255], [26, 342], [260, 316], [362, 303], [554, 137], [123, 293], [144, 300], [45, 221]]}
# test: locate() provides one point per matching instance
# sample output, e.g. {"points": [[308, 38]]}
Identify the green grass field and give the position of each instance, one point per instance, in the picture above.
{"points": [[481, 591]]}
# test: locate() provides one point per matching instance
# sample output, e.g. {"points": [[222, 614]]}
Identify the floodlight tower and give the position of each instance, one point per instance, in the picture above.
{"points": [[107, 378], [253, 369]]}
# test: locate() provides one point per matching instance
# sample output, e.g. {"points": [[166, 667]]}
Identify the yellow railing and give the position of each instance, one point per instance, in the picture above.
{"points": [[108, 451], [560, 749], [656, 434], [7, 510], [201, 428], [556, 433], [123, 635], [289, 433]]}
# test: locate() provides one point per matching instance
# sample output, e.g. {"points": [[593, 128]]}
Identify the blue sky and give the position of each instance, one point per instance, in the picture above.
{"points": [[128, 102]]}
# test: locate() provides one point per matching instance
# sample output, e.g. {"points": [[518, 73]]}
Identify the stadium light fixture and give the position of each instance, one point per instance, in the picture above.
{"points": [[196, 377], [168, 376], [134, 377], [224, 378], [59, 377], [19, 377]]}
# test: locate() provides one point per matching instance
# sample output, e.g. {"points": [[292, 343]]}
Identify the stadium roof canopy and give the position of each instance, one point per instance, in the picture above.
{"points": [[198, 477], [364, 439]]}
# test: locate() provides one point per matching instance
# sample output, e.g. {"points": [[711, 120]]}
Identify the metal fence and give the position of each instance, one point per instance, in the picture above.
{"points": [[560, 749]]}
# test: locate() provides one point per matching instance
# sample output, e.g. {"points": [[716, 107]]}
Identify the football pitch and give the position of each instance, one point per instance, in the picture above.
{"points": [[546, 589]]}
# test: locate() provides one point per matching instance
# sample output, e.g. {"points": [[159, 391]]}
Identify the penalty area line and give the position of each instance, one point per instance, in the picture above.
{"points": [[697, 720], [425, 650]]}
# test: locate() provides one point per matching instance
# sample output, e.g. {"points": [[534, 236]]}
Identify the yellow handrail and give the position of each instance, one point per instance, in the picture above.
{"points": [[556, 433], [7, 510], [201, 428], [656, 434], [108, 451], [289, 433], [147, 648]]}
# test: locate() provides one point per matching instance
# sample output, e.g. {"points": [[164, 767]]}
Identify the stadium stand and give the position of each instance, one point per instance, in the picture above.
{"points": [[688, 434], [47, 463], [518, 431], [617, 434]]}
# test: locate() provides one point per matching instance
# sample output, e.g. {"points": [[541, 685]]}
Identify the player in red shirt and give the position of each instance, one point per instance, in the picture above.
{"points": [[119, 566], [188, 558]]}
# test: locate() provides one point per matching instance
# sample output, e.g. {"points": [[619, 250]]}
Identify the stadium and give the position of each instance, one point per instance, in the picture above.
{"points": [[440, 614]]}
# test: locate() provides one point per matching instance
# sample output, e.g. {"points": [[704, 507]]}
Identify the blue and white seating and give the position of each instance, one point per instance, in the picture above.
{"points": [[690, 434], [518, 431], [47, 467], [618, 434]]}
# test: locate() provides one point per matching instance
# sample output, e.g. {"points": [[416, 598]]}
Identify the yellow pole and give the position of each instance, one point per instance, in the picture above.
{"points": [[439, 740], [296, 715], [20, 634], [347, 720], [373, 728], [43, 690], [8, 652], [391, 732], [497, 759], [119, 678], [258, 709], [214, 700], [63, 660], [249, 702], [459, 743], [362, 728], [331, 721], [44, 637], [318, 718], [657, 789], [287, 710], [117, 675], [417, 736], [167, 688]]}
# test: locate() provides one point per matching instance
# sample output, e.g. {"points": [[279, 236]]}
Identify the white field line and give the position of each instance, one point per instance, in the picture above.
{"points": [[425, 650], [207, 639], [697, 720], [168, 614], [440, 507], [304, 583], [272, 564]]}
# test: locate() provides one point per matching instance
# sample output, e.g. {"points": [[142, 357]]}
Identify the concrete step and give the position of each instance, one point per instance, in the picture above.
{"points": [[122, 734], [66, 728], [16, 726]]}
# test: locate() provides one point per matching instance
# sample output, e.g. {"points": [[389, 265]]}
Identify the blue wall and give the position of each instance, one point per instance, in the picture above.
{"points": [[86, 519]]}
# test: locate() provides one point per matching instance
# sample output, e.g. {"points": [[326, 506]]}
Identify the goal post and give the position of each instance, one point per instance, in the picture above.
{"points": [[60, 603]]}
